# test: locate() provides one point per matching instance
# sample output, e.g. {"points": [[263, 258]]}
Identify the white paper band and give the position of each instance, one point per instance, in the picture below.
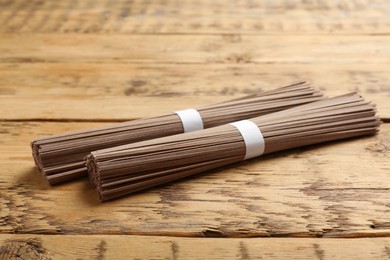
{"points": [[191, 120], [254, 141]]}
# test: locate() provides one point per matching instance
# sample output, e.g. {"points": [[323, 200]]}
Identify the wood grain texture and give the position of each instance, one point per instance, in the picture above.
{"points": [[150, 247], [194, 17], [82, 79], [334, 190], [103, 60], [183, 49], [114, 92]]}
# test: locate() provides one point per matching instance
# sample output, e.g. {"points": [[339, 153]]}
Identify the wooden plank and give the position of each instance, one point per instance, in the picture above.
{"points": [[82, 79], [152, 247], [95, 109], [195, 48], [109, 109], [90, 91], [334, 190], [269, 16]]}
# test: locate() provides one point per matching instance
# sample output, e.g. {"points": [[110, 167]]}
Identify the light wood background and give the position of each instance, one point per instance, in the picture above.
{"points": [[68, 65]]}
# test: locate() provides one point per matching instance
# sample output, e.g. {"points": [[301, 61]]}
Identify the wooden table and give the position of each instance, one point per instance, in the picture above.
{"points": [[68, 65]]}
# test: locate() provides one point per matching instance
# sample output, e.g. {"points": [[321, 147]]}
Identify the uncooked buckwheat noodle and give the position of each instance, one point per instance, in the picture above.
{"points": [[130, 168], [61, 157]]}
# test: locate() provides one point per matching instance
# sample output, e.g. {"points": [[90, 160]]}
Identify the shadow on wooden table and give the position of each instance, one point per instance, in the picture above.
{"points": [[33, 177]]}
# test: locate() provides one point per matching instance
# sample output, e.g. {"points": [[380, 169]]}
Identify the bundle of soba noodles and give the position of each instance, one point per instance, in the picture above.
{"points": [[61, 157], [130, 168]]}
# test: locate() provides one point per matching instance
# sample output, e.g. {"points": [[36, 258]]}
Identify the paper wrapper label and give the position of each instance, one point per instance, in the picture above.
{"points": [[191, 120], [253, 138]]}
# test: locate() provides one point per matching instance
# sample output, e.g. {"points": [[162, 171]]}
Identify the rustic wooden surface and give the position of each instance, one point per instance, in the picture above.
{"points": [[68, 65], [146, 247]]}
